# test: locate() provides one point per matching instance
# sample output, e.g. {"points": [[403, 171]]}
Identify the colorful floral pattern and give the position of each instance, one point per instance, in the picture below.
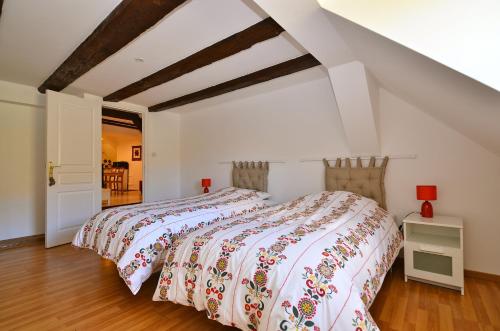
{"points": [[216, 282], [302, 266], [336, 257], [216, 285], [273, 255], [362, 321], [136, 237]]}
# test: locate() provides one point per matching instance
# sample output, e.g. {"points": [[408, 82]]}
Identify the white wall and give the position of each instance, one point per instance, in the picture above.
{"points": [[302, 121], [124, 153], [162, 156], [22, 156], [288, 122], [22, 176], [466, 174], [283, 125]]}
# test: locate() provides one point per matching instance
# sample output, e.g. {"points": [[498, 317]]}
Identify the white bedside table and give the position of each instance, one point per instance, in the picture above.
{"points": [[434, 250]]}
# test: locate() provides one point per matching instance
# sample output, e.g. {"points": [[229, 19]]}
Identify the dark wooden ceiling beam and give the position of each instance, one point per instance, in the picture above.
{"points": [[233, 44], [286, 68], [120, 124], [125, 23], [119, 114], [134, 118]]}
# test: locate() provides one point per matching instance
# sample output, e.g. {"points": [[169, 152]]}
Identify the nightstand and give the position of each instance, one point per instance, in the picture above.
{"points": [[434, 250]]}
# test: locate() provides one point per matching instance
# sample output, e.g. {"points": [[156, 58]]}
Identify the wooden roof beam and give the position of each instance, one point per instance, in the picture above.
{"points": [[233, 44], [120, 124], [286, 68], [135, 118], [125, 23]]}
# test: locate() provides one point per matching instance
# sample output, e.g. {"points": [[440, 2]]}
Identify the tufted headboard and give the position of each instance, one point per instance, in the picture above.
{"points": [[251, 175], [367, 181]]}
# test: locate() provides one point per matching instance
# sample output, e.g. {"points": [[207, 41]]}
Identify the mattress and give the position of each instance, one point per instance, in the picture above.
{"points": [[136, 237], [313, 263]]}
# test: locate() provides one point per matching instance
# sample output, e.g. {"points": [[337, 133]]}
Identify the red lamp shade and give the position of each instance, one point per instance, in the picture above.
{"points": [[426, 192], [206, 183]]}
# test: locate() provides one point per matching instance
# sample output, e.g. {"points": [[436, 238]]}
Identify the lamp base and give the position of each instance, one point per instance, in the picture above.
{"points": [[426, 210], [205, 190]]}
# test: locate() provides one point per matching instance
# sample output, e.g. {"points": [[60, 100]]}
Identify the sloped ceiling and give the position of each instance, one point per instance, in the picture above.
{"points": [[460, 34], [36, 36], [456, 100], [308, 23]]}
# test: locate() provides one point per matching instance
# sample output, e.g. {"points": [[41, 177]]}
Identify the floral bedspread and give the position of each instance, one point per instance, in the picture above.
{"points": [[136, 237], [315, 263]]}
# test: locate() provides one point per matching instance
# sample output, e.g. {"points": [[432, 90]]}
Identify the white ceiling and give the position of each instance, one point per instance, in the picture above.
{"points": [[456, 100], [460, 102], [38, 36], [461, 34], [258, 57]]}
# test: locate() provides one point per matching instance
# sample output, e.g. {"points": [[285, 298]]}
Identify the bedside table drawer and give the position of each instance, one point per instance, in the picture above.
{"points": [[434, 266], [433, 249]]}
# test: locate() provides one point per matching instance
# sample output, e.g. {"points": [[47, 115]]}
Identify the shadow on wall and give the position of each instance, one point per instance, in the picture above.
{"points": [[39, 168]]}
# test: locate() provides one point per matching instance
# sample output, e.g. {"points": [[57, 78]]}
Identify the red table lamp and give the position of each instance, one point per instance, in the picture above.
{"points": [[206, 183], [427, 193]]}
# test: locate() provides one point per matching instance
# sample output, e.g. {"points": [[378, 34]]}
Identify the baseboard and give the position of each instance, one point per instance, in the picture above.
{"points": [[22, 241], [482, 275]]}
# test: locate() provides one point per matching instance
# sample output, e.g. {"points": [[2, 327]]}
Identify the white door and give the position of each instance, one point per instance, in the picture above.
{"points": [[73, 154]]}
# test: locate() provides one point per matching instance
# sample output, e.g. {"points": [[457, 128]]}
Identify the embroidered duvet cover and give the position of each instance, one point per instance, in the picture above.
{"points": [[136, 237], [315, 263]]}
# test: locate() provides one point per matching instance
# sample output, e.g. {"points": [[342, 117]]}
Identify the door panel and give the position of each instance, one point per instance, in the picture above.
{"points": [[73, 148], [76, 178], [76, 130], [72, 207]]}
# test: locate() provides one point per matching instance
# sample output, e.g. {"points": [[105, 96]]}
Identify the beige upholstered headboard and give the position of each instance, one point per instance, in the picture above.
{"points": [[366, 181], [251, 175]]}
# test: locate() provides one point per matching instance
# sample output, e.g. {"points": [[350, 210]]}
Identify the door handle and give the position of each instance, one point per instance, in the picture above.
{"points": [[52, 181]]}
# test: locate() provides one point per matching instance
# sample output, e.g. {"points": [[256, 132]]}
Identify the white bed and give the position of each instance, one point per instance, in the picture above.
{"points": [[136, 237], [315, 263]]}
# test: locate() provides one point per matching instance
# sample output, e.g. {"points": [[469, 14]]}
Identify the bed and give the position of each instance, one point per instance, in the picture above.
{"points": [[315, 263], [136, 237]]}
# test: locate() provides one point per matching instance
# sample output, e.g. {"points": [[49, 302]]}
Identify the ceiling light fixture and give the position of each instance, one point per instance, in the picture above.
{"points": [[139, 59]]}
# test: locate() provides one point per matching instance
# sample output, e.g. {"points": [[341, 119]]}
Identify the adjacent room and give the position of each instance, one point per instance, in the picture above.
{"points": [[121, 158], [249, 164]]}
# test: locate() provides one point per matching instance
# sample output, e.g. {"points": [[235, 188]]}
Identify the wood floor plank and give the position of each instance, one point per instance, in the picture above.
{"points": [[445, 317], [65, 288], [490, 302]]}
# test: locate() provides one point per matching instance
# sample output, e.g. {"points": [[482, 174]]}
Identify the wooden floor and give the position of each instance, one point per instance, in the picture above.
{"points": [[123, 198], [65, 288]]}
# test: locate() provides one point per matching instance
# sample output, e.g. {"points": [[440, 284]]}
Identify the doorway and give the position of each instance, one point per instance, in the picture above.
{"points": [[122, 158]]}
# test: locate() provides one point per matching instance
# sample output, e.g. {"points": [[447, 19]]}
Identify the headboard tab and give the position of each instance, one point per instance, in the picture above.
{"points": [[251, 175], [366, 181]]}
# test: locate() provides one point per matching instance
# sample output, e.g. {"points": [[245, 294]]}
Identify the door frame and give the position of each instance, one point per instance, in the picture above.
{"points": [[131, 108]]}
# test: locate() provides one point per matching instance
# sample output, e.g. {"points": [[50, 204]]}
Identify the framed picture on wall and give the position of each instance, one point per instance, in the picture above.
{"points": [[136, 153]]}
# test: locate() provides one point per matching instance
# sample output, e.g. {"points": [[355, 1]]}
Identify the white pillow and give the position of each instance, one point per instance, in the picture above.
{"points": [[262, 195]]}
